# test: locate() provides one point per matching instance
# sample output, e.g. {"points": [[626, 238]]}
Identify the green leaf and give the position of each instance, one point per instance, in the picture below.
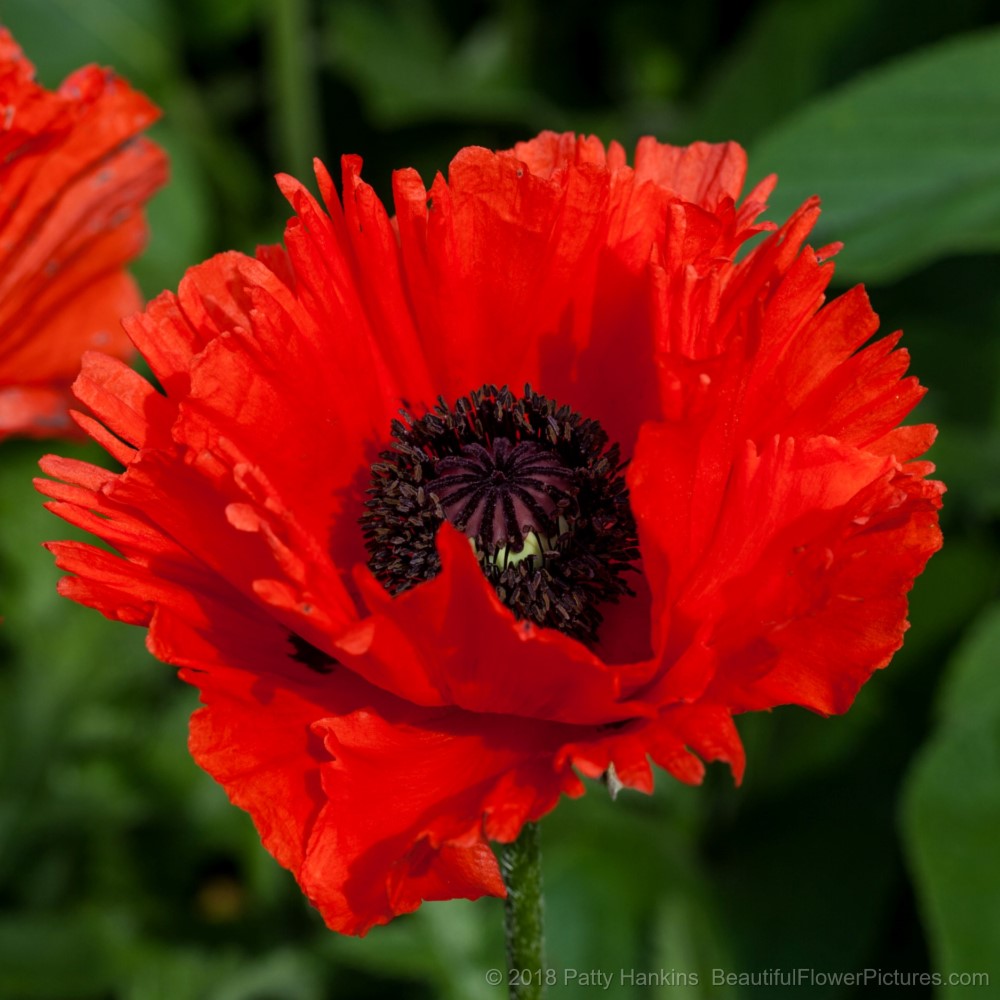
{"points": [[746, 91], [951, 813], [906, 159]]}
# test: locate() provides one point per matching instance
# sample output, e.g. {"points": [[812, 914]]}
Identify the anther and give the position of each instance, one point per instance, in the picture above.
{"points": [[532, 484]]}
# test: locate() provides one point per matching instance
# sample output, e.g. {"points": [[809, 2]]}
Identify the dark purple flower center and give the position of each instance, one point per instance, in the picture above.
{"points": [[499, 492], [533, 485]]}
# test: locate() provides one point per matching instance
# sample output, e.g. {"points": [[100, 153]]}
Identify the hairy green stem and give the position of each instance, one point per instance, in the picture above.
{"points": [[521, 865]]}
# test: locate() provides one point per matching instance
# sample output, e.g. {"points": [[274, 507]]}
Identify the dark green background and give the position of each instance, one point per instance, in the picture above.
{"points": [[868, 841]]}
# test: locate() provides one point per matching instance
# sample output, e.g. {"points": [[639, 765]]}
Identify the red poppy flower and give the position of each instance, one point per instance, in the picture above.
{"points": [[73, 177], [383, 696]]}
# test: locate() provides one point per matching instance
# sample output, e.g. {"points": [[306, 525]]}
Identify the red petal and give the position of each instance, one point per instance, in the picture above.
{"points": [[321, 761], [73, 178], [678, 740], [769, 586], [34, 411], [488, 282], [702, 173], [450, 641]]}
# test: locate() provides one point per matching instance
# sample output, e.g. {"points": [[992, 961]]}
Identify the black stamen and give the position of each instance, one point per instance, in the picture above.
{"points": [[534, 486]]}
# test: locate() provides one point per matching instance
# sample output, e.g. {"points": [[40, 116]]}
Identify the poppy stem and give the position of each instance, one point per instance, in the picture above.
{"points": [[521, 866]]}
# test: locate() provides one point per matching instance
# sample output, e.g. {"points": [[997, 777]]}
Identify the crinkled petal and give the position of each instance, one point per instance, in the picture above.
{"points": [[374, 803], [74, 175], [493, 662]]}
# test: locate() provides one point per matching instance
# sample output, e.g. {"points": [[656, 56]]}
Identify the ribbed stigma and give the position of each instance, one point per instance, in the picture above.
{"points": [[533, 486], [502, 492]]}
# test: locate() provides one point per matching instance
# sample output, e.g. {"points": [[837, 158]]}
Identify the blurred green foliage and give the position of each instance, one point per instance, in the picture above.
{"points": [[867, 841]]}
